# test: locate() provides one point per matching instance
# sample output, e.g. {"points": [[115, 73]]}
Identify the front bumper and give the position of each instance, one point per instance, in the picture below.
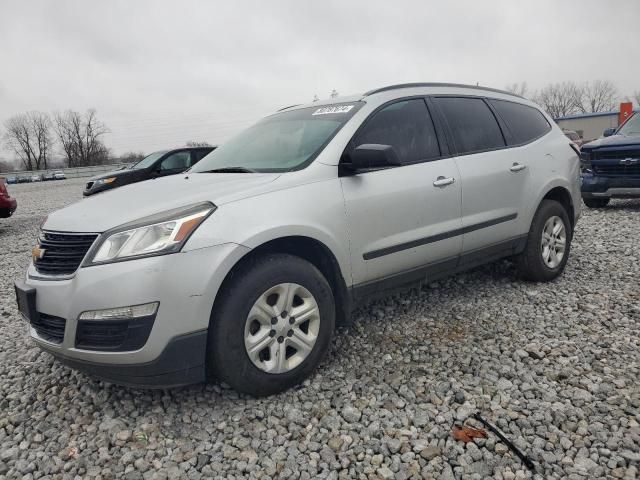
{"points": [[185, 284], [598, 186], [182, 362]]}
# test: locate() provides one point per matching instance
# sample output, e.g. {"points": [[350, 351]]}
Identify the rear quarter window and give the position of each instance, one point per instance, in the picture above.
{"points": [[525, 124], [472, 124]]}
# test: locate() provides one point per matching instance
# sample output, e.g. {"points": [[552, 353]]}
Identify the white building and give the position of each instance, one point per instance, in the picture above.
{"points": [[589, 125]]}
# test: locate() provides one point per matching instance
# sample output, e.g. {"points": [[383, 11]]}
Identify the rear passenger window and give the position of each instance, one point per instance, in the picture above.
{"points": [[472, 124], [525, 123], [407, 127]]}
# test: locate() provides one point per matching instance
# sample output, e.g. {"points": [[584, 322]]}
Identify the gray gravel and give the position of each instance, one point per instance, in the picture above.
{"points": [[555, 366]]}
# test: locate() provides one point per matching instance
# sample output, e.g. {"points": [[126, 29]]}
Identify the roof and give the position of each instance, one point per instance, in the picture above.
{"points": [[592, 114], [436, 84], [356, 98]]}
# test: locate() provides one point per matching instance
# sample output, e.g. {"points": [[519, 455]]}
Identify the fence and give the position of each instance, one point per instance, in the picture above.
{"points": [[75, 172]]}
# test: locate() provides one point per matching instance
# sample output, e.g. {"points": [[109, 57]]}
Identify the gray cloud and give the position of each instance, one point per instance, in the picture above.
{"points": [[162, 73]]}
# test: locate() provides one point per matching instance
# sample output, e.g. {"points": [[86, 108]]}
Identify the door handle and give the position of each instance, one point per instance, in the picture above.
{"points": [[516, 167], [443, 181]]}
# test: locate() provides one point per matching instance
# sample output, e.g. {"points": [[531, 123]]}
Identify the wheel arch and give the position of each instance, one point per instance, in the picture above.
{"points": [[562, 195], [312, 250], [560, 191]]}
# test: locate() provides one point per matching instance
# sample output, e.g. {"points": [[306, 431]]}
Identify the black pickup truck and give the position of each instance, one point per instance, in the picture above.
{"points": [[610, 166]]}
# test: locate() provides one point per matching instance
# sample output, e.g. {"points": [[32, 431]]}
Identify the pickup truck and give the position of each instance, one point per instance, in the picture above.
{"points": [[610, 166]]}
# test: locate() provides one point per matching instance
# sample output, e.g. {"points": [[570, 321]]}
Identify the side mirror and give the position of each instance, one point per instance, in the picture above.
{"points": [[373, 155], [608, 132]]}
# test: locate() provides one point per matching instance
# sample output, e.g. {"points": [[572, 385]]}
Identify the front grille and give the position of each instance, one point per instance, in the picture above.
{"points": [[615, 154], [49, 328], [89, 185], [63, 252], [619, 169]]}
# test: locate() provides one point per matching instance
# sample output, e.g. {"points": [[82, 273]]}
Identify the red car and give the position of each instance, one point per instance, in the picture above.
{"points": [[8, 204]]}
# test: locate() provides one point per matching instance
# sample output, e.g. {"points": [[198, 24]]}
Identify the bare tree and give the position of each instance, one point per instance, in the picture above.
{"points": [[559, 99], [81, 138], [29, 136], [598, 96], [192, 143], [517, 88], [334, 93], [315, 98]]}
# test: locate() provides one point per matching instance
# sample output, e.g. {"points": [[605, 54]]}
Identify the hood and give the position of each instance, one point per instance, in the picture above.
{"points": [[114, 173], [613, 141], [138, 200]]}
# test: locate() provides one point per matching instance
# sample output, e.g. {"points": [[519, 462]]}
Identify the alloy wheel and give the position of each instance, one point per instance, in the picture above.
{"points": [[554, 241], [282, 328]]}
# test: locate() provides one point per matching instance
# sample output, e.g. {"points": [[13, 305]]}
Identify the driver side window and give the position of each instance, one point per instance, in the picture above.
{"points": [[176, 161], [407, 127]]}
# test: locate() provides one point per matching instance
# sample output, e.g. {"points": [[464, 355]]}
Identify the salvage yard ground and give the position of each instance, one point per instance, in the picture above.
{"points": [[555, 366]]}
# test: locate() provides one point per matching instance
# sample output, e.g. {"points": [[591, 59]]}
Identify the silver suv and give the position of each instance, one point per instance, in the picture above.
{"points": [[240, 268]]}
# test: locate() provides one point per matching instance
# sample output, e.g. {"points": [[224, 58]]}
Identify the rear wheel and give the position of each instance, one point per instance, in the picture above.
{"points": [[272, 325], [596, 202], [548, 243]]}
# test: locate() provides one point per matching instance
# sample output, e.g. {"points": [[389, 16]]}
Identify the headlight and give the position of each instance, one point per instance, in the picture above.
{"points": [[105, 181], [155, 235]]}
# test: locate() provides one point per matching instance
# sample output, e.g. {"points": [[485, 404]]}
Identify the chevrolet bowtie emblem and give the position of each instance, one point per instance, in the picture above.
{"points": [[628, 161], [37, 253]]}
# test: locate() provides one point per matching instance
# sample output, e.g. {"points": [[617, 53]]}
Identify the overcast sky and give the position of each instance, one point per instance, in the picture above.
{"points": [[160, 73]]}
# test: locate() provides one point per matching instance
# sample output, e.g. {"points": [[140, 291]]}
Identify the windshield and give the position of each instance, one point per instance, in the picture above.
{"points": [[147, 161], [282, 142], [631, 127]]}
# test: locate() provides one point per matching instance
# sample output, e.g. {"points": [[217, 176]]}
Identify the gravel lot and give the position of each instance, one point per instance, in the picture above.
{"points": [[554, 366]]}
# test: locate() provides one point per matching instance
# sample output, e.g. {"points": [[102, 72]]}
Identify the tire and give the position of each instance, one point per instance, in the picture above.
{"points": [[239, 319], [536, 263], [596, 202]]}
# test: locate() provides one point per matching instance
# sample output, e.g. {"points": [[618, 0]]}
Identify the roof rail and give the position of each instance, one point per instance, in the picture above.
{"points": [[436, 84], [290, 106]]}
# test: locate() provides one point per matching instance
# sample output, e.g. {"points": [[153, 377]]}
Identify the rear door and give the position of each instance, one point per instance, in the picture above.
{"points": [[493, 180], [399, 221]]}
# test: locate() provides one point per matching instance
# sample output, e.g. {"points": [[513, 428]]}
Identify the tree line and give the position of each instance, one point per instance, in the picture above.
{"points": [[570, 98], [33, 137], [36, 137]]}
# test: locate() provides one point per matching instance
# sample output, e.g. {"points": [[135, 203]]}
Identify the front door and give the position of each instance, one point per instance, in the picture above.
{"points": [[400, 219]]}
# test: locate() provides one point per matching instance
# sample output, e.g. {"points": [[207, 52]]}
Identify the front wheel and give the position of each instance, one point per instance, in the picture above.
{"points": [[271, 326], [596, 202], [548, 243]]}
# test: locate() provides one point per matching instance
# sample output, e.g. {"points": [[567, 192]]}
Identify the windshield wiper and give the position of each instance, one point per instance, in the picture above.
{"points": [[230, 170]]}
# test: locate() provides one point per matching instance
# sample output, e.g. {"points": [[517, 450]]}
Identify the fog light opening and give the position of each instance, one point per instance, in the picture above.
{"points": [[133, 311]]}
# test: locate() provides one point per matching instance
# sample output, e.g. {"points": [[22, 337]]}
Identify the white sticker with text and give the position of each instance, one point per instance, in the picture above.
{"points": [[336, 109]]}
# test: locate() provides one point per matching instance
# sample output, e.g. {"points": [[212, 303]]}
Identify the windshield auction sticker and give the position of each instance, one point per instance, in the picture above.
{"points": [[334, 109]]}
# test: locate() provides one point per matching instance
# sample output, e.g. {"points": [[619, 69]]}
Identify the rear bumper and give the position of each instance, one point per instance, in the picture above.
{"points": [[596, 186], [182, 362]]}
